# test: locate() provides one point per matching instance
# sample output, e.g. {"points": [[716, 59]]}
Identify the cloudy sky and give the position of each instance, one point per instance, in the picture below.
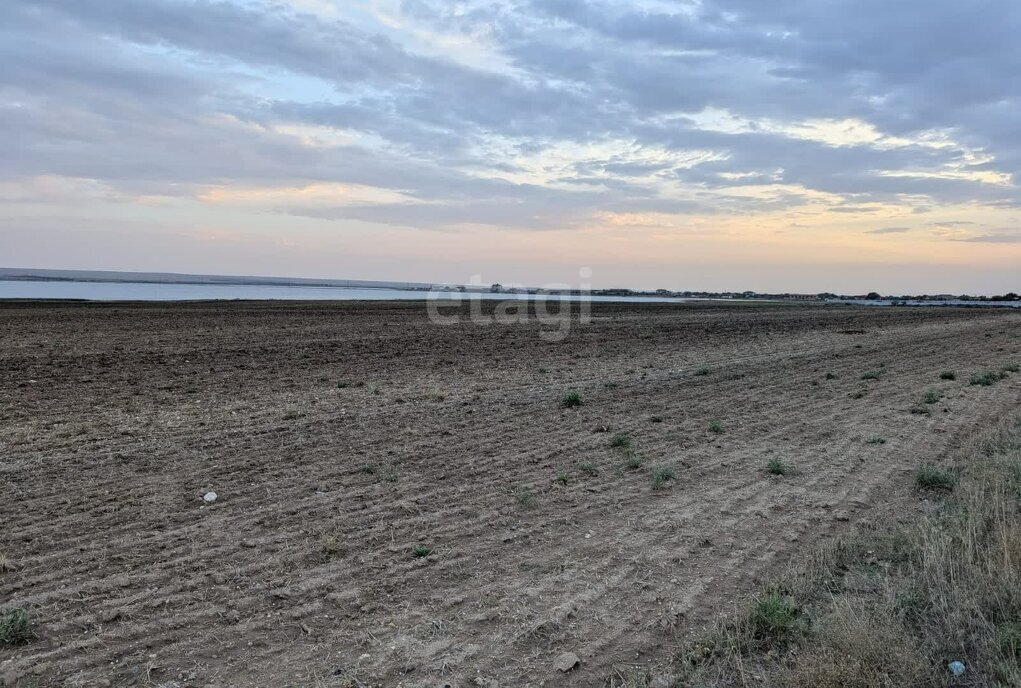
{"points": [[805, 145]]}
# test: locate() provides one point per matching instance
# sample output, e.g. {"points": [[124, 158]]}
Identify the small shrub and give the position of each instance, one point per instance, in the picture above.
{"points": [[774, 619], [871, 375], [1008, 639], [831, 376], [858, 648], [656, 419], [329, 546], [716, 427], [342, 384], [1011, 368], [588, 469], [16, 626], [986, 379], [931, 396], [632, 461], [373, 388], [921, 410], [385, 473], [524, 497], [561, 478], [704, 370], [935, 478], [858, 394], [662, 476], [570, 399], [948, 375], [777, 467], [421, 551], [876, 439], [621, 440]]}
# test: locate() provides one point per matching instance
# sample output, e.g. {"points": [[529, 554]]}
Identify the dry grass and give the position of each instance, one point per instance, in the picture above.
{"points": [[858, 647], [887, 609]]}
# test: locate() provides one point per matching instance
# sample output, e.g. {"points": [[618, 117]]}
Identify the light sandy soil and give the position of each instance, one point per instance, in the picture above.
{"points": [[114, 420]]}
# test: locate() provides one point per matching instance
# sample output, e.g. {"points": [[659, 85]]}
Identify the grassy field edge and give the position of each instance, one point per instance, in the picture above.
{"points": [[888, 607]]}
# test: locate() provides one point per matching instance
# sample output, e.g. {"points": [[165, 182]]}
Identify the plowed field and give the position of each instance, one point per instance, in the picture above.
{"points": [[340, 437]]}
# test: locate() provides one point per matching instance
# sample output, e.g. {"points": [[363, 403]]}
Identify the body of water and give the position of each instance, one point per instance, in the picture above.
{"points": [[148, 291]]}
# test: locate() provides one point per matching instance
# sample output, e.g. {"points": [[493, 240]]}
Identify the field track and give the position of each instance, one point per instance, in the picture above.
{"points": [[114, 420]]}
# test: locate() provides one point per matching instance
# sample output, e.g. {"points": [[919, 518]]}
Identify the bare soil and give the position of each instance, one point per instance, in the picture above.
{"points": [[116, 419]]}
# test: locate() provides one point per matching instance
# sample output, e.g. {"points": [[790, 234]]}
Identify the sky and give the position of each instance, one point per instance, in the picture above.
{"points": [[789, 145]]}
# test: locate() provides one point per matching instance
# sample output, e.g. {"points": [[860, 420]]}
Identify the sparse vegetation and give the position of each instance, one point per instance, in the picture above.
{"points": [[561, 478], [5, 563], [588, 468], [620, 440], [935, 478], [421, 551], [777, 467], [1011, 368], [876, 439], [831, 376], [716, 427], [887, 609], [373, 388], [632, 461], [775, 620], [329, 546], [661, 476], [932, 396], [570, 399], [948, 375], [704, 370], [859, 394], [656, 419], [16, 626], [871, 375], [385, 472], [987, 378], [524, 497], [921, 410]]}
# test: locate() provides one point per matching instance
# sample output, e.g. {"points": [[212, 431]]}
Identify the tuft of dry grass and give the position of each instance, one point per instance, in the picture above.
{"points": [[891, 609], [5, 563], [859, 647]]}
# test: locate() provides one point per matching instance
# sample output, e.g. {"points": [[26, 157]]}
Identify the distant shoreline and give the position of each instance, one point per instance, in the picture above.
{"points": [[417, 289]]}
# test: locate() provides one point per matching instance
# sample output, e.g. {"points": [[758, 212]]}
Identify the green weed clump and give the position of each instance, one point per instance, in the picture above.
{"points": [[986, 379], [620, 440], [16, 626], [570, 399], [935, 478], [662, 476]]}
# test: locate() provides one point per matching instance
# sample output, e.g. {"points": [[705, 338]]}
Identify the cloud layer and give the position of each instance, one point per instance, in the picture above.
{"points": [[685, 118]]}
